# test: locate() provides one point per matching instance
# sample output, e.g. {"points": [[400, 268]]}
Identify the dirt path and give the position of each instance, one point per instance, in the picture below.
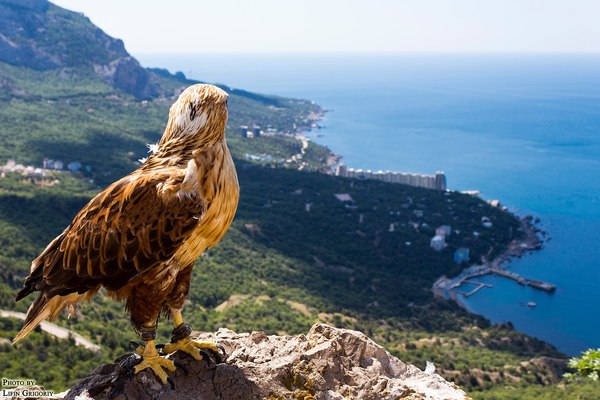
{"points": [[54, 330]]}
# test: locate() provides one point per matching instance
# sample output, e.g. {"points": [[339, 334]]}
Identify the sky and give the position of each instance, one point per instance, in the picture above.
{"points": [[272, 26]]}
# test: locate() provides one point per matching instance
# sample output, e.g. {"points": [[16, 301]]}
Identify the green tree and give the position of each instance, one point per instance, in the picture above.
{"points": [[588, 365]]}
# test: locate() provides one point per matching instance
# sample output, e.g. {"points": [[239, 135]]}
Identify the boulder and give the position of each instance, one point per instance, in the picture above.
{"points": [[326, 364]]}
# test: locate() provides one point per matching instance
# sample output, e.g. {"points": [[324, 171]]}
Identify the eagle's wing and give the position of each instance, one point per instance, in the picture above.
{"points": [[136, 224]]}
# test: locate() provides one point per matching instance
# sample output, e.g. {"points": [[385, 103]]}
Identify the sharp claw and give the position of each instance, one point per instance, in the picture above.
{"points": [[128, 364], [134, 345], [206, 357], [180, 365], [171, 382], [216, 356], [161, 349]]}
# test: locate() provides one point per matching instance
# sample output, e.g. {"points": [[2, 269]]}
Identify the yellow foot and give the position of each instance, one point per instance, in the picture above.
{"points": [[193, 348], [156, 363]]}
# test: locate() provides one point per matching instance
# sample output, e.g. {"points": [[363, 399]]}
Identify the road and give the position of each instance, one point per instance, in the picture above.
{"points": [[54, 330]]}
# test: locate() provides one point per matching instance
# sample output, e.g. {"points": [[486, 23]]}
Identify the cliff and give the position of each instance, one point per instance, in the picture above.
{"points": [[39, 35], [327, 363]]}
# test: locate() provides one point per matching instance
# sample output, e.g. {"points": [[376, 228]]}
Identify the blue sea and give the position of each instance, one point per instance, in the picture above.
{"points": [[524, 129]]}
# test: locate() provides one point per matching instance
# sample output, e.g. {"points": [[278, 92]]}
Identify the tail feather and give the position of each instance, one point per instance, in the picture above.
{"points": [[24, 292], [49, 257], [41, 308]]}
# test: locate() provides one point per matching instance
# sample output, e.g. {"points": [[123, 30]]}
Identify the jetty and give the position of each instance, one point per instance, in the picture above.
{"points": [[447, 287], [545, 286], [478, 287]]}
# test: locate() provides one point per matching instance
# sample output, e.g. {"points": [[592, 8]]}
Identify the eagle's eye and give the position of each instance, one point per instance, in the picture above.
{"points": [[193, 112]]}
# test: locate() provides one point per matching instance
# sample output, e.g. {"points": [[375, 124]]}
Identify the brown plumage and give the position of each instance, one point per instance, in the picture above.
{"points": [[140, 237]]}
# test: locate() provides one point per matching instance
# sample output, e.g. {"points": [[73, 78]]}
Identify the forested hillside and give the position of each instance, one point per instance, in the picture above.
{"points": [[295, 254]]}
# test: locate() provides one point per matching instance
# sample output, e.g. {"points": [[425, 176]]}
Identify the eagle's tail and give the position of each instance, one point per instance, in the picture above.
{"points": [[41, 308]]}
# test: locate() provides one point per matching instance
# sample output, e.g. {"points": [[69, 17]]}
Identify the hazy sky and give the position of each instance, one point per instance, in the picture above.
{"points": [[194, 26]]}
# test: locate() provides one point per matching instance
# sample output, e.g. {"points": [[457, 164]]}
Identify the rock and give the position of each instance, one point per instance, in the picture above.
{"points": [[39, 35], [126, 74], [553, 368], [326, 364]]}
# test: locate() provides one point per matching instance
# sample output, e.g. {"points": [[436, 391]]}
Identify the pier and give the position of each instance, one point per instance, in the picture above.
{"points": [[479, 286], [545, 286], [445, 287]]}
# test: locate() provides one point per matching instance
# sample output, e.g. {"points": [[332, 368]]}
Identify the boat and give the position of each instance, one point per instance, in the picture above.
{"points": [[531, 304]]}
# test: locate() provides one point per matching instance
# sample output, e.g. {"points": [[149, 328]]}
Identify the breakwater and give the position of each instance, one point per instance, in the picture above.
{"points": [[447, 287]]}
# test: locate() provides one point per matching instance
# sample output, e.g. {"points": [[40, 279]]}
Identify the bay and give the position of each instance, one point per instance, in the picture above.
{"points": [[524, 129]]}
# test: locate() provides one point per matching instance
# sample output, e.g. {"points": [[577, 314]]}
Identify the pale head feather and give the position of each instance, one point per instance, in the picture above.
{"points": [[199, 114]]}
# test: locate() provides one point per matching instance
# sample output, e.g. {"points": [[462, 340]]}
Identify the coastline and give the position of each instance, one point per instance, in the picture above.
{"points": [[558, 186], [312, 120], [533, 240]]}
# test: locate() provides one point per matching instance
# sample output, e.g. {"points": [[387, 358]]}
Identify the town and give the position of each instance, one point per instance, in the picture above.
{"points": [[11, 166]]}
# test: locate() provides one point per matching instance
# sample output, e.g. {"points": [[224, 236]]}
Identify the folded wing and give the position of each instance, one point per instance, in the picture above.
{"points": [[134, 225]]}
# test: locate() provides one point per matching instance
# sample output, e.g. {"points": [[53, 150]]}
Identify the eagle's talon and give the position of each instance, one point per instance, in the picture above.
{"points": [[137, 348], [221, 355], [198, 350], [133, 344], [205, 357], [216, 350], [216, 356], [182, 366], [171, 382], [156, 363], [127, 365]]}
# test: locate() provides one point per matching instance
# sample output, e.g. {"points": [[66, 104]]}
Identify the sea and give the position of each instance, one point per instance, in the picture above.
{"points": [[520, 128]]}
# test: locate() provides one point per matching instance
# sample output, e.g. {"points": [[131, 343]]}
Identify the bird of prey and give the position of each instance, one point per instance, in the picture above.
{"points": [[140, 237]]}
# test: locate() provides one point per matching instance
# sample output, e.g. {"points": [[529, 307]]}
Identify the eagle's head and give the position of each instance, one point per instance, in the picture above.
{"points": [[197, 119]]}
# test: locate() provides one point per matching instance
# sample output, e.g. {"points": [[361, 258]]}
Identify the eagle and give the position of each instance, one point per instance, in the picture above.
{"points": [[140, 237]]}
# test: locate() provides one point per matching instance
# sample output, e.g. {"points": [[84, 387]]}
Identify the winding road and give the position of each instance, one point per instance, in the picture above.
{"points": [[54, 330]]}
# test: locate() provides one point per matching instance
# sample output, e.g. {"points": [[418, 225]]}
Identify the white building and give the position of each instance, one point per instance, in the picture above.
{"points": [[344, 197], [438, 243], [445, 230], [437, 181]]}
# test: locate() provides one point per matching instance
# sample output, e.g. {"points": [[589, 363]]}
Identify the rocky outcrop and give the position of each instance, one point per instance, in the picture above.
{"points": [[326, 364], [39, 35], [126, 74]]}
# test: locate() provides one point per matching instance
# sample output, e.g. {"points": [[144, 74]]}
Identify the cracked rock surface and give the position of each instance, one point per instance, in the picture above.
{"points": [[325, 364]]}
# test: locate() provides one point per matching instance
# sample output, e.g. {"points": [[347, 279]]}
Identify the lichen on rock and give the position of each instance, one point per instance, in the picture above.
{"points": [[326, 364]]}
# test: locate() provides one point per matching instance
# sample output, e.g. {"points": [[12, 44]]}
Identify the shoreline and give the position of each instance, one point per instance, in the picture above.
{"points": [[533, 240], [312, 119]]}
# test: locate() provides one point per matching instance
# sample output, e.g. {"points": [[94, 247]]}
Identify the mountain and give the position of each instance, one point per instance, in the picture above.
{"points": [[60, 76], [40, 35], [295, 254]]}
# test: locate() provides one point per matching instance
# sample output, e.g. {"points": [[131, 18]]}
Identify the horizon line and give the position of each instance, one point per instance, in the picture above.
{"points": [[399, 52]]}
